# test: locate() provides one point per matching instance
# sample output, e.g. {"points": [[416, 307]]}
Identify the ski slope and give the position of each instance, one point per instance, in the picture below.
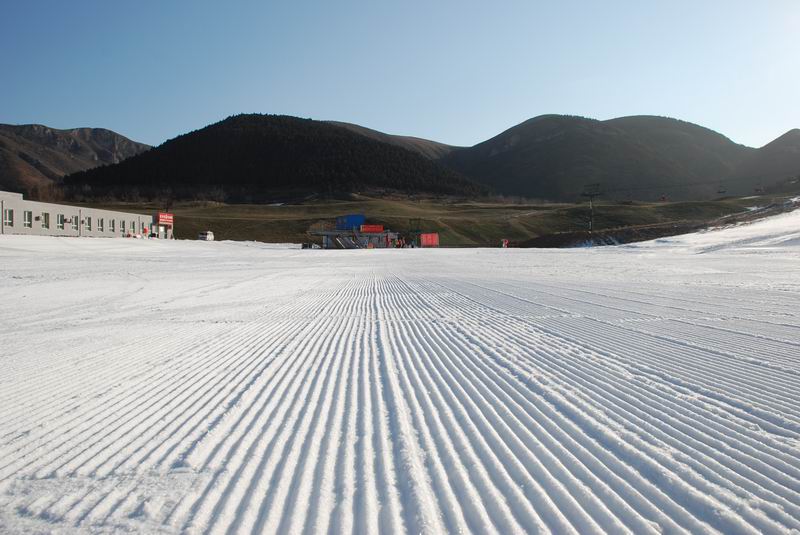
{"points": [[201, 387]]}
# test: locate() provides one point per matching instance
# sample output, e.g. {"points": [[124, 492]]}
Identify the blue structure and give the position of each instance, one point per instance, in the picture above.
{"points": [[350, 221]]}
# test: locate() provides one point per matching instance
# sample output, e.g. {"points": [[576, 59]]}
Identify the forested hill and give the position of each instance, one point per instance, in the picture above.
{"points": [[256, 158], [644, 157], [430, 149]]}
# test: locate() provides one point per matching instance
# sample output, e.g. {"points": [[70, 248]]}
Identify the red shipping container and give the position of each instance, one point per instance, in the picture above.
{"points": [[371, 228], [430, 239]]}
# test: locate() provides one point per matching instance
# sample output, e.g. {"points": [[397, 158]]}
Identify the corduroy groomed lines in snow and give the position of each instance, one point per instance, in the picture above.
{"points": [[221, 387]]}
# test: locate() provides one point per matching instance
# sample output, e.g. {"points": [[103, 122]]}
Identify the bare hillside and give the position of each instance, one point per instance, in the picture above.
{"points": [[34, 156]]}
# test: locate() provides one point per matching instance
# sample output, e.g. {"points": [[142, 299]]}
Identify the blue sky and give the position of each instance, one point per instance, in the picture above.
{"points": [[454, 71]]}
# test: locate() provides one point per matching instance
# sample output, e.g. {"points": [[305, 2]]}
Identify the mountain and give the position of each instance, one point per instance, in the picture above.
{"points": [[644, 157], [255, 158], [34, 157], [430, 149], [775, 163], [639, 157], [267, 157]]}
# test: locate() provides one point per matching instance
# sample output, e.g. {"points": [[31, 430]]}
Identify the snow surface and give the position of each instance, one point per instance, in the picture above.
{"points": [[155, 386]]}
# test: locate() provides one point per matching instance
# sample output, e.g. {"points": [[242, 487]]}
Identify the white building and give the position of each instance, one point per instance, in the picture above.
{"points": [[22, 216]]}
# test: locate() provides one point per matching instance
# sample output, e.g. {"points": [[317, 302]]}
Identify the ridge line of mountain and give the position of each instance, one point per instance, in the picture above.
{"points": [[637, 157]]}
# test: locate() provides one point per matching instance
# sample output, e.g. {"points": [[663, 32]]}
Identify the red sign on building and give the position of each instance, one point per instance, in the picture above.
{"points": [[429, 239], [165, 218]]}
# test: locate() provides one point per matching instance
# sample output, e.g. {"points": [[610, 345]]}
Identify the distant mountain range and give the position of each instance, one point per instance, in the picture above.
{"points": [[260, 158], [33, 156], [642, 157], [263, 157]]}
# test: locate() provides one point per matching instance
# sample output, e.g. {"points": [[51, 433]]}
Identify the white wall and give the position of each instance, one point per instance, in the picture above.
{"points": [[82, 216]]}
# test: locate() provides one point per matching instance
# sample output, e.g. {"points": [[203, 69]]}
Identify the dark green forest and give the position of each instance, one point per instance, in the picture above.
{"points": [[260, 158]]}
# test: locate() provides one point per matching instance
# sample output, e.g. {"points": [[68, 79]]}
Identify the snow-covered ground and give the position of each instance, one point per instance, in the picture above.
{"points": [[210, 387]]}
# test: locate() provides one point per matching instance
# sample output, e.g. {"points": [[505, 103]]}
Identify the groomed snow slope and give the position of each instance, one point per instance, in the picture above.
{"points": [[212, 387]]}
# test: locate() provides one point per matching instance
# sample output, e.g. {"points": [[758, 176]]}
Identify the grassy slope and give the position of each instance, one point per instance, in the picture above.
{"points": [[459, 223]]}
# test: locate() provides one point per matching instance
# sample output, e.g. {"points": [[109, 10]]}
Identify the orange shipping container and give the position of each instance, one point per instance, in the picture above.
{"points": [[430, 239]]}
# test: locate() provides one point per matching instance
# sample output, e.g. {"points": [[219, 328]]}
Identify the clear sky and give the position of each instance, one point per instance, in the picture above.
{"points": [[457, 71]]}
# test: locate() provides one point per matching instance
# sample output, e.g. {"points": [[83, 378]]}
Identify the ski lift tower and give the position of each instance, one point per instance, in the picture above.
{"points": [[591, 191]]}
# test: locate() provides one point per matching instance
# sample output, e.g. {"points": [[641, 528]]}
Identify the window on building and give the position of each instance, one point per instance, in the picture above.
{"points": [[122, 226], [60, 221], [112, 225], [100, 224], [88, 223], [8, 217], [133, 227], [75, 222], [45, 220], [27, 219]]}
